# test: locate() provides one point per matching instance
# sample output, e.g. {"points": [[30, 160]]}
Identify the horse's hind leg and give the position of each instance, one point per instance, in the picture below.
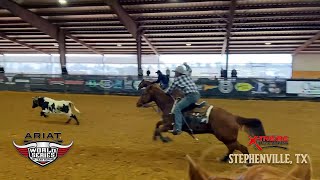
{"points": [[155, 134], [244, 150], [158, 132], [232, 146]]}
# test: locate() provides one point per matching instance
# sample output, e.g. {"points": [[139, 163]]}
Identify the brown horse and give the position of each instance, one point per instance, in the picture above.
{"points": [[222, 124], [144, 84], [259, 172]]}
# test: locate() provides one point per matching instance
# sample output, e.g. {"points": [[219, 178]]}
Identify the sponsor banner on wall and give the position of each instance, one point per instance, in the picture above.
{"points": [[118, 84], [3, 87], [135, 84], [106, 84], [73, 82], [38, 80], [268, 86], [10, 78], [91, 83], [55, 81], [2, 79], [243, 86], [225, 86], [22, 80], [303, 88], [128, 85]]}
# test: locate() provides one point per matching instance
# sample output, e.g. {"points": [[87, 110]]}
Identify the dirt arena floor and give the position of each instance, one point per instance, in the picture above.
{"points": [[114, 139]]}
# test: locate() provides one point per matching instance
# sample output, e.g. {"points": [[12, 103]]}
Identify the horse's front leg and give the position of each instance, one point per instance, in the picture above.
{"points": [[164, 128], [155, 135]]}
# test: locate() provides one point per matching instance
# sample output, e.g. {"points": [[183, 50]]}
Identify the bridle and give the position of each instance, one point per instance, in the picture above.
{"points": [[153, 105]]}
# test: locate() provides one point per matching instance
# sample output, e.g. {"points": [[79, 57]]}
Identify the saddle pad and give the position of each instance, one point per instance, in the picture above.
{"points": [[200, 114]]}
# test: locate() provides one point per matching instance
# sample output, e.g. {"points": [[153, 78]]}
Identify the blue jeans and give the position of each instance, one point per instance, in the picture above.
{"points": [[164, 86], [183, 103]]}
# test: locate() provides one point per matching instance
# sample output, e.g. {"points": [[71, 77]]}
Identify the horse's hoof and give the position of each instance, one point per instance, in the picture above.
{"points": [[224, 159], [249, 165], [166, 139], [154, 138]]}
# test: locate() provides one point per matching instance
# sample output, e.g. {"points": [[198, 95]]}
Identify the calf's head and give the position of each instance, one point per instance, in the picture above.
{"points": [[35, 102]]}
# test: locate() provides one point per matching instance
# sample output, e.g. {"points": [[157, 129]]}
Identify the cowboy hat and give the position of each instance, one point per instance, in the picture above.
{"points": [[180, 69]]}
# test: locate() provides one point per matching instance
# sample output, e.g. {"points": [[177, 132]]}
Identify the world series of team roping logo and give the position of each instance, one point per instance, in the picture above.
{"points": [[43, 148]]}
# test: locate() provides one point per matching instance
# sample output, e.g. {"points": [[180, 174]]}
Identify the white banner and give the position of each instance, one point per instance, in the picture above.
{"points": [[303, 87]]}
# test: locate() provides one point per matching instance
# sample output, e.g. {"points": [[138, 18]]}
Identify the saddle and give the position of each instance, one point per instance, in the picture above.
{"points": [[194, 106], [196, 112]]}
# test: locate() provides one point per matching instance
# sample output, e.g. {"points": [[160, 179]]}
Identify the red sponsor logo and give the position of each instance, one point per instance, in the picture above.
{"points": [[56, 81], [74, 82], [261, 142]]}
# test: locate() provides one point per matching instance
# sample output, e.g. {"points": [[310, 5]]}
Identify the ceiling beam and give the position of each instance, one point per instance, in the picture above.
{"points": [[83, 43], [124, 17], [30, 17], [36, 21], [307, 43], [232, 10], [128, 22], [4, 36]]}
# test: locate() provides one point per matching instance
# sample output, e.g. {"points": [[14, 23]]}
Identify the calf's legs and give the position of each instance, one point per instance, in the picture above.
{"points": [[74, 117], [43, 114]]}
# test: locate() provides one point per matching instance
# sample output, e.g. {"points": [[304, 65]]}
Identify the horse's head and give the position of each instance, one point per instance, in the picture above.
{"points": [[144, 84], [147, 96]]}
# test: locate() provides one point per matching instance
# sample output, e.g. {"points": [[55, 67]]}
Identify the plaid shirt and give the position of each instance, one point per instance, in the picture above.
{"points": [[184, 83]]}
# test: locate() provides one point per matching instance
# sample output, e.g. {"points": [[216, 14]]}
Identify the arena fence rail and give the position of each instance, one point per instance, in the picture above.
{"points": [[235, 88]]}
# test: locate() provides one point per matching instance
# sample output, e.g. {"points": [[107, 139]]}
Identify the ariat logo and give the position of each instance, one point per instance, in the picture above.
{"points": [[261, 142], [42, 151]]}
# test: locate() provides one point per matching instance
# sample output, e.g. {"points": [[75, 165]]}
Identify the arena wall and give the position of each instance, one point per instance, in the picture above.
{"points": [[306, 66], [254, 65]]}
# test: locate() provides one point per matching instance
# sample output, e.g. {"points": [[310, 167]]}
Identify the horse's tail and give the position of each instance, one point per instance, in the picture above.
{"points": [[252, 126], [71, 104]]}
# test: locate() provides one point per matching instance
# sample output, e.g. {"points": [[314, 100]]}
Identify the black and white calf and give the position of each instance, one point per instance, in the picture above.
{"points": [[49, 106]]}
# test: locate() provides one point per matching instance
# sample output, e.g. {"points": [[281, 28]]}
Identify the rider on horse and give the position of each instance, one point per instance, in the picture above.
{"points": [[184, 83], [163, 80], [188, 69]]}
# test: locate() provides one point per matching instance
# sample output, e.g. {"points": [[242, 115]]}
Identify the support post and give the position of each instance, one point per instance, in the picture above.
{"points": [[62, 51], [227, 59], [138, 40], [228, 34]]}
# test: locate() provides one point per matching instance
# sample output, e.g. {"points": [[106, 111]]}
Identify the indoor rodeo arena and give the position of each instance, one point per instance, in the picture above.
{"points": [[159, 89]]}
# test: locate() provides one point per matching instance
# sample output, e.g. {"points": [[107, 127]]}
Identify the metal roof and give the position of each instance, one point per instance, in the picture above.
{"points": [[258, 26]]}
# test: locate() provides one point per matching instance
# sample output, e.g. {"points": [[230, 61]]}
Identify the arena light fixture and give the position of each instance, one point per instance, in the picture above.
{"points": [[119, 45], [55, 44], [63, 2], [188, 44], [267, 43]]}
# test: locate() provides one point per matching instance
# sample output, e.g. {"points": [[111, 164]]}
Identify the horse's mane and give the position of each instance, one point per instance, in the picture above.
{"points": [[157, 86], [159, 90]]}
